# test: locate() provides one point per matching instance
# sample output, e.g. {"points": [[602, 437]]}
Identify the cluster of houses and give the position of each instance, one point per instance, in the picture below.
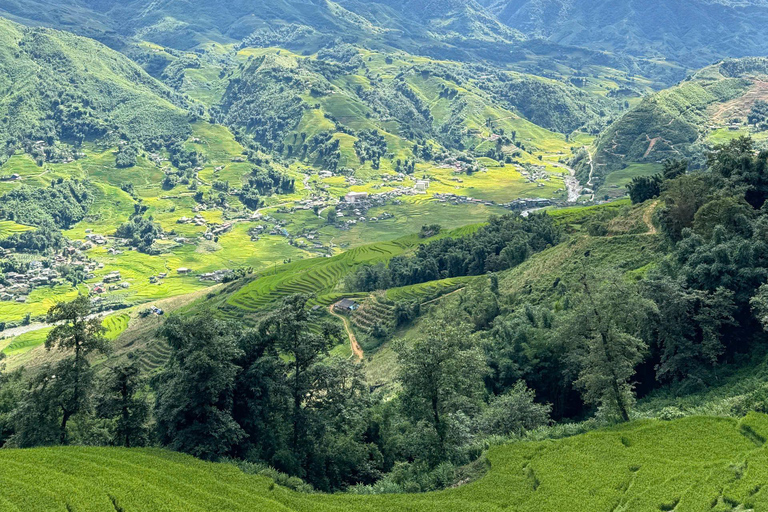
{"points": [[158, 278], [95, 239], [456, 199], [110, 282], [536, 174], [528, 204], [20, 285], [216, 276], [197, 220]]}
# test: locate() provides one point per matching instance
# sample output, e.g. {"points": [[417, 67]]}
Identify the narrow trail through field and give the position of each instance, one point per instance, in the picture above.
{"points": [[648, 218], [442, 297], [353, 344]]}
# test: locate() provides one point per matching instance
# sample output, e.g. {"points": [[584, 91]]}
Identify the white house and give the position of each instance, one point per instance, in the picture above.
{"points": [[354, 197]]}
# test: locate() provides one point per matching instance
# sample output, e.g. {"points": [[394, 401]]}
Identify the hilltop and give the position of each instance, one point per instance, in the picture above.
{"points": [[713, 106], [57, 87]]}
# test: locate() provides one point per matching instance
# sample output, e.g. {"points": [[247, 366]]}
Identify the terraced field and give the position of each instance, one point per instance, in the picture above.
{"points": [[688, 465], [313, 276], [425, 292], [8, 228]]}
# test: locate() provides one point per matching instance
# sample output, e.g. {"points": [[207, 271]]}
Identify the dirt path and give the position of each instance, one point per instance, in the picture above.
{"points": [[442, 297], [648, 218], [353, 344]]}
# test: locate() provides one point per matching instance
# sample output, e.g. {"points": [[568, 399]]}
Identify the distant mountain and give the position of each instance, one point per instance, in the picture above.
{"points": [[182, 24], [692, 32], [445, 29], [55, 86]]}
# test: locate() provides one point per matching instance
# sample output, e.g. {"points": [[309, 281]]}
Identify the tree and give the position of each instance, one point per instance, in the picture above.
{"points": [[290, 329], [120, 400], [330, 215], [688, 327], [193, 407], [674, 168], [682, 198], [743, 171], [441, 374], [514, 412], [74, 332], [604, 328], [642, 188]]}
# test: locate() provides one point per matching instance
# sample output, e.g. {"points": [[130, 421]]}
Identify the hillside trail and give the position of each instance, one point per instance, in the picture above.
{"points": [[442, 297], [353, 344], [648, 217]]}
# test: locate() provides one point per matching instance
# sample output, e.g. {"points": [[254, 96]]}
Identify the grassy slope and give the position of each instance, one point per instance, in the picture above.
{"points": [[679, 121], [103, 87], [688, 465]]}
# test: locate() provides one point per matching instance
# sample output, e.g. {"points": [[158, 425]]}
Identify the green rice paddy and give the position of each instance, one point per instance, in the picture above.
{"points": [[688, 465]]}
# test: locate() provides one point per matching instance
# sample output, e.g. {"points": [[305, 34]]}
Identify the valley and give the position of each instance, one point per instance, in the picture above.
{"points": [[383, 255]]}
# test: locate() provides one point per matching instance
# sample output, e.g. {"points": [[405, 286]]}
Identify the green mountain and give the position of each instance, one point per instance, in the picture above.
{"points": [[56, 87], [665, 29], [714, 105]]}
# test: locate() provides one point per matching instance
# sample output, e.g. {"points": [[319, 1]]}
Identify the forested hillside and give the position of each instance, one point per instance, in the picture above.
{"points": [[656, 28], [59, 88]]}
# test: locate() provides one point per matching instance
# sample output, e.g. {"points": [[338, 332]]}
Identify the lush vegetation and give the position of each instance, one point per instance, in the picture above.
{"points": [[505, 242], [690, 464]]}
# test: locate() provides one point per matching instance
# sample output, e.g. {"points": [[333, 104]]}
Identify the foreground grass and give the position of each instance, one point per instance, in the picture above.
{"points": [[692, 464]]}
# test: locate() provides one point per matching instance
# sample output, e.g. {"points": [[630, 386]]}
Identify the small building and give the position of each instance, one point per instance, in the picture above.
{"points": [[184, 270], [354, 197], [345, 306], [422, 185]]}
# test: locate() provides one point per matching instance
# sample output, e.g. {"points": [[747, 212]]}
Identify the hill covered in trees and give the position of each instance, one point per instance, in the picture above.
{"points": [[659, 28], [59, 88]]}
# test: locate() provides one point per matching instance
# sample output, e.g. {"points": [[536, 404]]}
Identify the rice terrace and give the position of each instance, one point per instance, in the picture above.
{"points": [[383, 255]]}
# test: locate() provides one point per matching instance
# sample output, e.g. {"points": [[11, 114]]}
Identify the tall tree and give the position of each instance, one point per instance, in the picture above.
{"points": [[294, 337], [76, 333], [604, 327], [195, 392], [441, 372], [120, 399]]}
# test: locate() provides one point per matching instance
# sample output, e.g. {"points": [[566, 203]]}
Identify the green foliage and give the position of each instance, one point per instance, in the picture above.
{"points": [[62, 204], [121, 401], [61, 390], [140, 232], [195, 392], [439, 372], [58, 93], [505, 242]]}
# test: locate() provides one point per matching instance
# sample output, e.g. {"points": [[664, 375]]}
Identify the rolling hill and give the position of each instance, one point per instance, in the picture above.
{"points": [[653, 29], [712, 106], [57, 87], [692, 464]]}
